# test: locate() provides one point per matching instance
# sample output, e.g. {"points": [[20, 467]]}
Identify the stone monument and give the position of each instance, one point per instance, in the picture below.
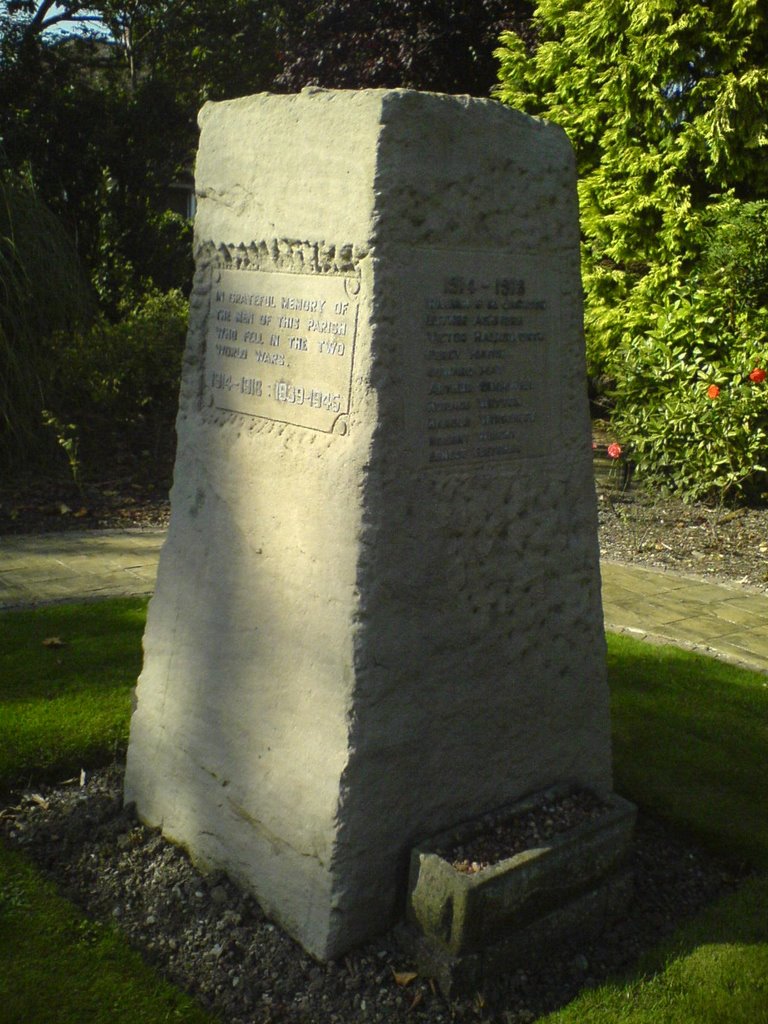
{"points": [[378, 608]]}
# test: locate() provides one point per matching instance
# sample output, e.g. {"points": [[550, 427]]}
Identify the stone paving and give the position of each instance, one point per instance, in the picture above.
{"points": [[728, 621], [54, 567]]}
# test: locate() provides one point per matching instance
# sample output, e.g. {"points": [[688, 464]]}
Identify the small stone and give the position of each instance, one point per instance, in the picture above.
{"points": [[219, 895]]}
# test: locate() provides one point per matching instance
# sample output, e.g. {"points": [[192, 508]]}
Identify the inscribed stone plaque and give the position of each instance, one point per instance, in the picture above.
{"points": [[280, 346], [484, 385]]}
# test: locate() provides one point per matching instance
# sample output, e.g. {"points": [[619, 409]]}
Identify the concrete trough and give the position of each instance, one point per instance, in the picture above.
{"points": [[464, 927]]}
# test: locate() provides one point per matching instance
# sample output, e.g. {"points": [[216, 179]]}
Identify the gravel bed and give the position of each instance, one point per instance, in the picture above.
{"points": [[644, 527], [547, 818], [212, 940]]}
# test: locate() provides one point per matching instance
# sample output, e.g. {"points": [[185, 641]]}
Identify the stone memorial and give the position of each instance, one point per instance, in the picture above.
{"points": [[378, 610]]}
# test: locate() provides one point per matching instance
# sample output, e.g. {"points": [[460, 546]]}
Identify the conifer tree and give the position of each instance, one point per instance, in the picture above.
{"points": [[666, 104]]}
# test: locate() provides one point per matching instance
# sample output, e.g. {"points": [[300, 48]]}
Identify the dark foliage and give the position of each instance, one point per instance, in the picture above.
{"points": [[438, 45], [98, 107]]}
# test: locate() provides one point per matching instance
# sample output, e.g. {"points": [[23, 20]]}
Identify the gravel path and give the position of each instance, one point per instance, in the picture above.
{"points": [[210, 939]]}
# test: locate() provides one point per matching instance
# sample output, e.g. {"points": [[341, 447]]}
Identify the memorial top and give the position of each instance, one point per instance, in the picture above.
{"points": [[442, 164]]}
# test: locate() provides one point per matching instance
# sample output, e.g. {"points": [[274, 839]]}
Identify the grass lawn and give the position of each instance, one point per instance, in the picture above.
{"points": [[57, 967], [690, 737], [66, 676], [690, 743], [714, 971]]}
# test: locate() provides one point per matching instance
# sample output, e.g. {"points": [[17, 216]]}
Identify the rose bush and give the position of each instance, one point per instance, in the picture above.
{"points": [[691, 393]]}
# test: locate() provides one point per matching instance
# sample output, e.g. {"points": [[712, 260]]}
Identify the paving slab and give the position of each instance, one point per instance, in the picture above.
{"points": [[728, 620], [77, 566], [724, 620]]}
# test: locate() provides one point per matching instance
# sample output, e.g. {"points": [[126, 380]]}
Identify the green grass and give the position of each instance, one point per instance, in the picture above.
{"points": [[690, 744], [66, 707], [57, 966], [714, 971]]}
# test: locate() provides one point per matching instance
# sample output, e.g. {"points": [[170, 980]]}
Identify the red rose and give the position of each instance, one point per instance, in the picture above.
{"points": [[713, 391], [758, 375], [614, 450]]}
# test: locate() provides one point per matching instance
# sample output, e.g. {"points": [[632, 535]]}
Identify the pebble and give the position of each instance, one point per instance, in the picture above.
{"points": [[497, 840]]}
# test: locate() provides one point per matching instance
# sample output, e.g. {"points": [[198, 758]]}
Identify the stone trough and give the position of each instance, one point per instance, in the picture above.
{"points": [[466, 926]]}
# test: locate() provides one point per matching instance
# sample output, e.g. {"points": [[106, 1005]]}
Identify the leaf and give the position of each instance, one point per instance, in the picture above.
{"points": [[417, 998], [54, 641], [404, 978], [81, 512]]}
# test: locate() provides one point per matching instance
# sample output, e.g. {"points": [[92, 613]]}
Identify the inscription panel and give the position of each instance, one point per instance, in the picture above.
{"points": [[280, 346], [484, 387]]}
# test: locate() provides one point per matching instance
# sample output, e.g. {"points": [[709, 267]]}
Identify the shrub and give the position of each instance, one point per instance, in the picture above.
{"points": [[691, 394], [123, 378], [42, 289], [664, 103]]}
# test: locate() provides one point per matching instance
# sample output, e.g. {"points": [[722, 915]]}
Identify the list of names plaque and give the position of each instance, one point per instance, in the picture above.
{"points": [[280, 346], [484, 390]]}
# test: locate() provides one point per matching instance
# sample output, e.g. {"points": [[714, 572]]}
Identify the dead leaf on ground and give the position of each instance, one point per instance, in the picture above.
{"points": [[54, 641], [82, 512], [404, 978], [418, 996]]}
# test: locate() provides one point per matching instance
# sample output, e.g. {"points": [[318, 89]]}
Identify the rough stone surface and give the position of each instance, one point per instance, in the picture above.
{"points": [[370, 624]]}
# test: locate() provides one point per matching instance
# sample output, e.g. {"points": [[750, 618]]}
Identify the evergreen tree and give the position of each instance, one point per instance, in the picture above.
{"points": [[666, 104]]}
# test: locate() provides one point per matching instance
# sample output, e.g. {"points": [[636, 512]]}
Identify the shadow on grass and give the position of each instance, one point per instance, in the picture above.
{"points": [[712, 971], [690, 741]]}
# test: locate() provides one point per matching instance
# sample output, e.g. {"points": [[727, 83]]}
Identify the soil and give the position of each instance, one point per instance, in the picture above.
{"points": [[130, 491], [718, 544], [503, 838], [211, 939]]}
